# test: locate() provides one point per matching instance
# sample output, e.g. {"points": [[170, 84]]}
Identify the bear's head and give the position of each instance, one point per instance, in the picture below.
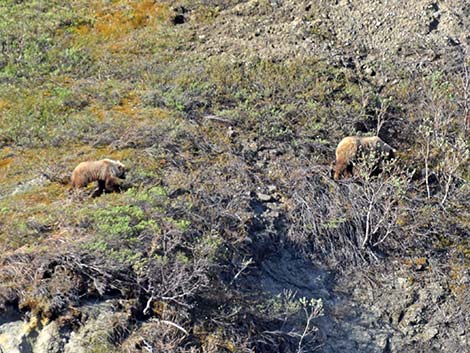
{"points": [[120, 170], [390, 153]]}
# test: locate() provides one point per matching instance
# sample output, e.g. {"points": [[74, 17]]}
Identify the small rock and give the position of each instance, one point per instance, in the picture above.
{"points": [[430, 333], [48, 340], [437, 293], [414, 315], [264, 197], [274, 214], [460, 331], [273, 206], [260, 164], [382, 341], [403, 282], [14, 337], [369, 71]]}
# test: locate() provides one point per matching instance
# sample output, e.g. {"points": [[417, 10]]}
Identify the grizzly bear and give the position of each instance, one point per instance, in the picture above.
{"points": [[352, 147], [106, 172]]}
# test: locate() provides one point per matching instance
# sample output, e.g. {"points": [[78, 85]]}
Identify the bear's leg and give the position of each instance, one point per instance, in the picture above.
{"points": [[99, 190], [349, 171], [339, 169], [112, 184]]}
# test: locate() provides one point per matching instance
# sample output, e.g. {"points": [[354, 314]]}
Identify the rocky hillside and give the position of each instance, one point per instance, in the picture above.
{"points": [[229, 233]]}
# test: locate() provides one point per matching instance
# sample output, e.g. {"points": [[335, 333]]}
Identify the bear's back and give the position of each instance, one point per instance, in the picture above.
{"points": [[347, 147]]}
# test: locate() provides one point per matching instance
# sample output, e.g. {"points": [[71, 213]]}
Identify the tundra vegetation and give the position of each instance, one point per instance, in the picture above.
{"points": [[231, 235]]}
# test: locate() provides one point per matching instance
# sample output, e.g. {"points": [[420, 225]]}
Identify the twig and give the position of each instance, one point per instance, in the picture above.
{"points": [[217, 118], [244, 267], [171, 323], [147, 307]]}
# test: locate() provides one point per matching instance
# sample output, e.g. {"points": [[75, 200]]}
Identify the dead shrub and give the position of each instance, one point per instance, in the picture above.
{"points": [[349, 223]]}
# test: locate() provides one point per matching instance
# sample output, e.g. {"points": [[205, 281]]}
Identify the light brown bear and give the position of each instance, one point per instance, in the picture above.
{"points": [[352, 147], [106, 172]]}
